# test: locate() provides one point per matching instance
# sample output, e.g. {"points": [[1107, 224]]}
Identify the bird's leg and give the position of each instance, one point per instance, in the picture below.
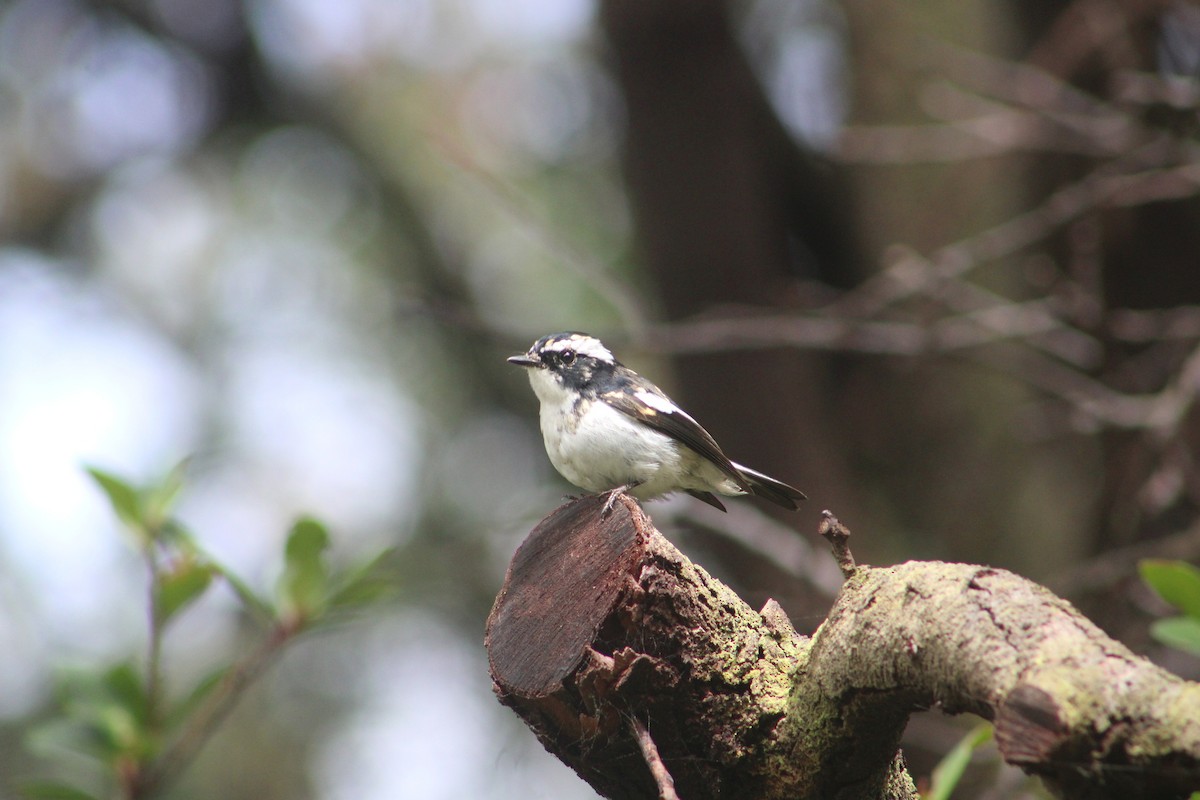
{"points": [[613, 494]]}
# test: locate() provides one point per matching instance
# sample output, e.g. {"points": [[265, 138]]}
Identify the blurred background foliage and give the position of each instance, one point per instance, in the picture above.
{"points": [[937, 264]]}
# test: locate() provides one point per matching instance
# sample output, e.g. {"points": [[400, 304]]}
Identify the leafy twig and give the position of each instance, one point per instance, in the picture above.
{"points": [[216, 708]]}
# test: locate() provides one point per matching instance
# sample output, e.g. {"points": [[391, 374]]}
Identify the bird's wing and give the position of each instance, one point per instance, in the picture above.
{"points": [[650, 406]]}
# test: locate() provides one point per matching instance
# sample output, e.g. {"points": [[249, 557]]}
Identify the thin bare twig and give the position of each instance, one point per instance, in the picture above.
{"points": [[1108, 569], [1005, 320], [994, 129], [1089, 28], [1023, 84], [1008, 350], [838, 536], [662, 778], [1000, 107], [916, 275], [1138, 326], [1141, 88]]}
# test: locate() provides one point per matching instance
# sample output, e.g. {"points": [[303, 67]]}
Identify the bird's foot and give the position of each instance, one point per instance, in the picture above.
{"points": [[613, 494]]}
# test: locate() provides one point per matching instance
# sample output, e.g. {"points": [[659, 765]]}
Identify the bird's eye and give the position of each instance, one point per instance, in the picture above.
{"points": [[567, 356]]}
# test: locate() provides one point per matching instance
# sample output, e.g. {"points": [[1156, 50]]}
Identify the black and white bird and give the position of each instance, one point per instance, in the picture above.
{"points": [[606, 428]]}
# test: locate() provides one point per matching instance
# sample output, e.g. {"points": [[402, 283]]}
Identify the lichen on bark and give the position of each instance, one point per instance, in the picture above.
{"points": [[602, 622]]}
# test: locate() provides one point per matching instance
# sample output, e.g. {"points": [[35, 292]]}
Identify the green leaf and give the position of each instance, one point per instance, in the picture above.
{"points": [[121, 732], [308, 539], [52, 790], [949, 770], [160, 500], [1177, 582], [104, 714], [1182, 633], [125, 500], [364, 584], [181, 584], [53, 738], [257, 606], [305, 584], [103, 732], [124, 688]]}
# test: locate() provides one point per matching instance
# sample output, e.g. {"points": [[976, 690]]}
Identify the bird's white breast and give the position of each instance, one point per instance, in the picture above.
{"points": [[596, 447]]}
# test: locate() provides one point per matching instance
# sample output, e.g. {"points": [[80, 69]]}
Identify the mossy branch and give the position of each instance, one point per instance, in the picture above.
{"points": [[601, 621]]}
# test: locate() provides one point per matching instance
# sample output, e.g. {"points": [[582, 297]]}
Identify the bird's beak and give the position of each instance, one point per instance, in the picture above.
{"points": [[525, 360]]}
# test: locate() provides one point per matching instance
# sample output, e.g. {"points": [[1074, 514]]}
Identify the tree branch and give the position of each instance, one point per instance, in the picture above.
{"points": [[603, 620]]}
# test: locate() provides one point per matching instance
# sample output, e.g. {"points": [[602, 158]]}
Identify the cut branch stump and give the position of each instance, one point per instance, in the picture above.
{"points": [[647, 676]]}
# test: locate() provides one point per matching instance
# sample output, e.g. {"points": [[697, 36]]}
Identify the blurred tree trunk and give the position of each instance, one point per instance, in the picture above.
{"points": [[730, 212]]}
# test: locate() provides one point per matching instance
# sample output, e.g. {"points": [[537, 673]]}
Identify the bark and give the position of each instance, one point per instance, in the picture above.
{"points": [[630, 663]]}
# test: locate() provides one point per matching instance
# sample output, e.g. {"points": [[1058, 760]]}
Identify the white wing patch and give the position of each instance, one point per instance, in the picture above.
{"points": [[658, 402]]}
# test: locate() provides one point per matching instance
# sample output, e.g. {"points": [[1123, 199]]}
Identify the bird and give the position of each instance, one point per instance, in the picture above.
{"points": [[608, 429]]}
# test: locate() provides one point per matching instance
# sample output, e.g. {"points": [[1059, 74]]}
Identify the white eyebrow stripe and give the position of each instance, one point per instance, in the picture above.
{"points": [[658, 402], [584, 345]]}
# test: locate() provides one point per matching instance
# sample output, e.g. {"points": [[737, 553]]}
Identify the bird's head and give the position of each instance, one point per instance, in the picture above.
{"points": [[565, 361]]}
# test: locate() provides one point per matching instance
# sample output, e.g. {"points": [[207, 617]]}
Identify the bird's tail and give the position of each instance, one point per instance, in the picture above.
{"points": [[768, 488]]}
